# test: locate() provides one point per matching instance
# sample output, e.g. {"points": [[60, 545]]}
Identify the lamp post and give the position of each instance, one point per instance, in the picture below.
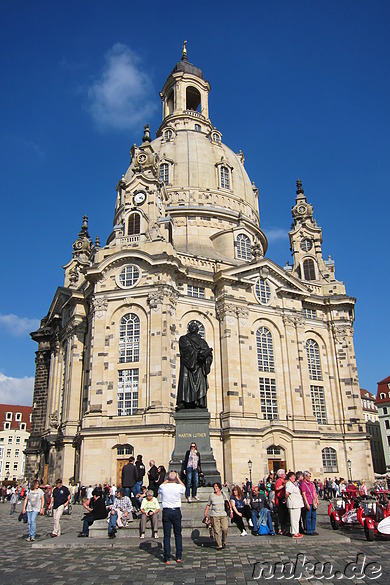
{"points": [[250, 472], [349, 463]]}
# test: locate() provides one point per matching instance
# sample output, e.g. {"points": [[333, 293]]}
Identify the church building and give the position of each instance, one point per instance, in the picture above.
{"points": [[187, 246]]}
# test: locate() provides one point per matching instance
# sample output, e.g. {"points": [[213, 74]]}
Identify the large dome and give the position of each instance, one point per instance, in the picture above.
{"points": [[195, 160]]}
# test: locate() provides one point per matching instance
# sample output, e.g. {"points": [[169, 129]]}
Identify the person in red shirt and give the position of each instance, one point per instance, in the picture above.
{"points": [[280, 501]]}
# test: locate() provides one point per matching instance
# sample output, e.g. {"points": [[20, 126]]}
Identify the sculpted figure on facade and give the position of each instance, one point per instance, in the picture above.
{"points": [[196, 358]]}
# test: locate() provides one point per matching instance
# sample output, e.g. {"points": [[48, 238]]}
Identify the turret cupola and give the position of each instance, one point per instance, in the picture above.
{"points": [[306, 248], [185, 95]]}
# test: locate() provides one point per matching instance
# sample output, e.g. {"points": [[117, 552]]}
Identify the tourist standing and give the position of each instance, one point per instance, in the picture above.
{"points": [[191, 471], [140, 474], [60, 499], [171, 492], [310, 498], [294, 504], [129, 477], [216, 510], [280, 501], [34, 504], [153, 476]]}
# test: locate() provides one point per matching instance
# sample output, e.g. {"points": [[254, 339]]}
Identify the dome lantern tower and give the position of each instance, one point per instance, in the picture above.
{"points": [[185, 95]]}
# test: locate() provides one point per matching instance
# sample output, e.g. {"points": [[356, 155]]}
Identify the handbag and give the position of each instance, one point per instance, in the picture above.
{"points": [[315, 498], [227, 508], [23, 517]]}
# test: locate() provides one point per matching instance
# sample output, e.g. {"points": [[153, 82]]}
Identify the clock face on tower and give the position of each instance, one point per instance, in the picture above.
{"points": [[139, 198]]}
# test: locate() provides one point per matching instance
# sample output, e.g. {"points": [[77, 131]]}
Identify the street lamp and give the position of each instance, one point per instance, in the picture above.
{"points": [[250, 472], [349, 463]]}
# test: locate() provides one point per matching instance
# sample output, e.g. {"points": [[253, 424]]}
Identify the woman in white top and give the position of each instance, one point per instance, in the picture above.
{"points": [[34, 503], [294, 504]]}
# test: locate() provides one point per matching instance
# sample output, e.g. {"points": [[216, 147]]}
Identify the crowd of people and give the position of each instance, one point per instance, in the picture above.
{"points": [[281, 503]]}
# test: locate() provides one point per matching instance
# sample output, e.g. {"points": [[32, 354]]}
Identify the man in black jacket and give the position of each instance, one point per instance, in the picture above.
{"points": [[141, 473], [153, 475], [61, 499], [129, 477], [96, 511]]}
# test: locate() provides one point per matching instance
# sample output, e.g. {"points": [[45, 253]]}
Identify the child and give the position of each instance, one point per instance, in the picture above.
{"points": [[13, 501]]}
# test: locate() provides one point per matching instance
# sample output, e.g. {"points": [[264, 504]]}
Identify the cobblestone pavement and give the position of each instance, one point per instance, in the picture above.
{"points": [[248, 560]]}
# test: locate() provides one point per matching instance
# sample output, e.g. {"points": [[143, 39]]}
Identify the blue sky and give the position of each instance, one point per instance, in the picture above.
{"points": [[301, 87]]}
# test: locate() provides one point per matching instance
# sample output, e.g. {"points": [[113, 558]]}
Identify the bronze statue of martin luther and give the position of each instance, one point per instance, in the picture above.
{"points": [[196, 358]]}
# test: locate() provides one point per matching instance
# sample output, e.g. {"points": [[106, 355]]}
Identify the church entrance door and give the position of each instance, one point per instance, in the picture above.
{"points": [[120, 463], [275, 464]]}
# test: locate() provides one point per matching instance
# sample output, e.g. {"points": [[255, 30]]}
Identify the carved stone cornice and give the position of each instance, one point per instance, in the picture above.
{"points": [[55, 345], [293, 320], [224, 309], [163, 294], [99, 306], [342, 332]]}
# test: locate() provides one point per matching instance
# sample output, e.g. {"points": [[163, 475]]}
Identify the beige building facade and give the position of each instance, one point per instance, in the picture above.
{"points": [[187, 246]]}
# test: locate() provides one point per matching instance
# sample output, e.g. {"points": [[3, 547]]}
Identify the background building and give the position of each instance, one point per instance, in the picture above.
{"points": [[187, 246], [15, 426], [370, 415], [383, 406]]}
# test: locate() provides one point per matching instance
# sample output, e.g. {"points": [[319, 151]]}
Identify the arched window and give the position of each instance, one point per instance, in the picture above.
{"points": [[192, 99], [244, 250], [329, 460], [262, 291], [313, 359], [309, 270], [265, 351], [134, 226], [225, 177], [129, 334], [170, 104], [164, 173]]}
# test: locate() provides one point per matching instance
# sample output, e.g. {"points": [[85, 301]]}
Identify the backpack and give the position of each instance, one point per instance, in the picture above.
{"points": [[263, 529]]}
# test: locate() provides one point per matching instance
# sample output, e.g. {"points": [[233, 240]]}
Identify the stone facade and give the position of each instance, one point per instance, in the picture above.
{"points": [[187, 245], [383, 406]]}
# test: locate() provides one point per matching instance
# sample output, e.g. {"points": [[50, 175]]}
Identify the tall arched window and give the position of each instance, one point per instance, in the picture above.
{"points": [[313, 359], [244, 250], [193, 99], [267, 385], [265, 351], [329, 460], [134, 226], [225, 178], [309, 270], [129, 334], [164, 173]]}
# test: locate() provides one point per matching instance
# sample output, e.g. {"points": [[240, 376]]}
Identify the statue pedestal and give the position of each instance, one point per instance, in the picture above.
{"points": [[193, 425]]}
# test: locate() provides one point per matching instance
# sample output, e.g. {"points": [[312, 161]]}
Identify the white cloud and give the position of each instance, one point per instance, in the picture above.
{"points": [[16, 390], [123, 95], [18, 326], [276, 234]]}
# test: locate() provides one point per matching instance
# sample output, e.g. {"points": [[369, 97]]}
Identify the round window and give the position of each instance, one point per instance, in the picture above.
{"points": [[129, 276], [306, 245], [263, 291]]}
